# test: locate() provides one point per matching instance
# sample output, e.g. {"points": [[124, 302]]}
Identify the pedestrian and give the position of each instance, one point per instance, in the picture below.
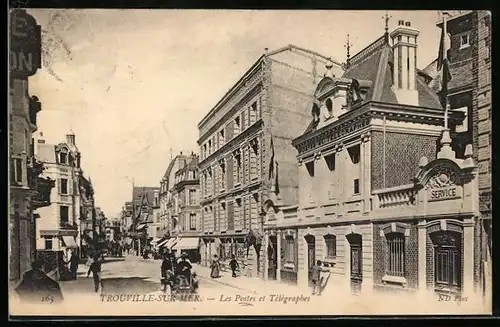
{"points": [[215, 266], [315, 277], [95, 268], [234, 265], [74, 261], [37, 287]]}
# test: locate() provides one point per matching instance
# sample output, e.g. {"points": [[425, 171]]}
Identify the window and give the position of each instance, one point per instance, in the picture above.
{"points": [[210, 147], [222, 137], [237, 125], [331, 246], [464, 40], [18, 170], [329, 107], [237, 161], [64, 186], [354, 153], [310, 168], [356, 186], [64, 214], [192, 197], [48, 243], [289, 250], [330, 161], [192, 221], [222, 175], [395, 263], [63, 158], [204, 150]]}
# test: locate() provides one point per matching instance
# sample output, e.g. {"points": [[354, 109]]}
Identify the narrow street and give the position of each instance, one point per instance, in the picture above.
{"points": [[135, 275]]}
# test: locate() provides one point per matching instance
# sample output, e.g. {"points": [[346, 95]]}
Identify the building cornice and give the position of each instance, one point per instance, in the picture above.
{"points": [[252, 90], [233, 91], [358, 119]]}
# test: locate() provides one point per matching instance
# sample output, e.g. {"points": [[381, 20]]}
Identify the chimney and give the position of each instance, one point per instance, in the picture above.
{"points": [[404, 40]]}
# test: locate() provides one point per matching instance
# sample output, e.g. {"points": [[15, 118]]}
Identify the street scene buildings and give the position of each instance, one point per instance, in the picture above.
{"points": [[372, 171]]}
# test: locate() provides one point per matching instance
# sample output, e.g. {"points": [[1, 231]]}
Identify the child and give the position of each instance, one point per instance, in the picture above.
{"points": [[234, 264]]}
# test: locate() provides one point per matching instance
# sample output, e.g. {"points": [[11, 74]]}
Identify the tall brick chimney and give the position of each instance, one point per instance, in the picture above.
{"points": [[404, 40]]}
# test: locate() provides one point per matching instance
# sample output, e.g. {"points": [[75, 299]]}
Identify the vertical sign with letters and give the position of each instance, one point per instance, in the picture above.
{"points": [[25, 55]]}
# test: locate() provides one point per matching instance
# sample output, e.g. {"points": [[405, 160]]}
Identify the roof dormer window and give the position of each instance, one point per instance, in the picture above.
{"points": [[63, 158]]}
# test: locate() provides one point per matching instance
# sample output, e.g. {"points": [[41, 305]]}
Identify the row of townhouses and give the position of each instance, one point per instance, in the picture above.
{"points": [[51, 202], [377, 168]]}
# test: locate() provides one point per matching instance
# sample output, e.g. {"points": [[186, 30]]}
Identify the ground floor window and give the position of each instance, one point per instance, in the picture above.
{"points": [[289, 248], [395, 263], [331, 246]]}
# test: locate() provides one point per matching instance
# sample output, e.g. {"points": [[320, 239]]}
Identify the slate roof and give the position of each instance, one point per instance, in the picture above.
{"points": [[375, 63]]}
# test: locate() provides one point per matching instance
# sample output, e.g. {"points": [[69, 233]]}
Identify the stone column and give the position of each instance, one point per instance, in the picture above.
{"points": [[266, 259], [278, 259], [422, 257], [366, 172], [468, 273]]}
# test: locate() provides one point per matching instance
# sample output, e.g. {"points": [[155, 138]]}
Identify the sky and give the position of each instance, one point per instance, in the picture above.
{"points": [[133, 84]]}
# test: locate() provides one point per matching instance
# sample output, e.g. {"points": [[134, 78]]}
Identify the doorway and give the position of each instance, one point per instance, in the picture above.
{"points": [[272, 257], [311, 255], [356, 273], [447, 262]]}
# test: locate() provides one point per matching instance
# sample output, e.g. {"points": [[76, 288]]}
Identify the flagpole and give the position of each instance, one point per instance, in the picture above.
{"points": [[447, 104]]}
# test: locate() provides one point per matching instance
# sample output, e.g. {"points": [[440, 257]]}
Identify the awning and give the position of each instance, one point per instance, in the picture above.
{"points": [[171, 242], [154, 241], [186, 243], [69, 241], [141, 226], [162, 243]]}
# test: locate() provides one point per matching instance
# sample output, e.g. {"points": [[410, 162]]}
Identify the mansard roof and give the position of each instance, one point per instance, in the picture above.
{"points": [[375, 64]]}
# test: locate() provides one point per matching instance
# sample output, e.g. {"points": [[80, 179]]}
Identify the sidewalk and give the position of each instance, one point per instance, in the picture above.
{"points": [[247, 284]]}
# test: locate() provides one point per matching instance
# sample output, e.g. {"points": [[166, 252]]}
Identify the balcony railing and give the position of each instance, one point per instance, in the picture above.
{"points": [[397, 197], [68, 225]]}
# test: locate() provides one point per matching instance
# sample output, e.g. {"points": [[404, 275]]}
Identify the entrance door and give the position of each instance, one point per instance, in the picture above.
{"points": [[447, 267], [272, 255], [356, 262], [311, 255]]}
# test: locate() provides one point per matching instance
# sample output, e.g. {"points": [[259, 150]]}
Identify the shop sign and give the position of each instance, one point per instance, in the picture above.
{"points": [[25, 44]]}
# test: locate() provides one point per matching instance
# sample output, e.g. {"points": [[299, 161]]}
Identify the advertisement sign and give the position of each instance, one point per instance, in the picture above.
{"points": [[25, 55]]}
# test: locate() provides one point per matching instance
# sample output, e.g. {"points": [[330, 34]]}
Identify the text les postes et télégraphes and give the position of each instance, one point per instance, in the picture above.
{"points": [[269, 298]]}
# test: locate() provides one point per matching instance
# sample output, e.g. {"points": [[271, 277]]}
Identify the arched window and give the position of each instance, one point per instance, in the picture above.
{"points": [[331, 246], [395, 259]]}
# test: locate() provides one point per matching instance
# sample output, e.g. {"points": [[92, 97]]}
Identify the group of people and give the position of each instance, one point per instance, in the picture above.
{"points": [[216, 265], [68, 267], [173, 269]]}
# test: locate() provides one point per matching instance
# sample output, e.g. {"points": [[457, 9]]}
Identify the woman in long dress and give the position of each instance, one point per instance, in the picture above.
{"points": [[215, 273]]}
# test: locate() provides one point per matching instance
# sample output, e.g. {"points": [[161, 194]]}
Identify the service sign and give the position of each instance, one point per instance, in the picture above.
{"points": [[25, 56], [445, 193]]}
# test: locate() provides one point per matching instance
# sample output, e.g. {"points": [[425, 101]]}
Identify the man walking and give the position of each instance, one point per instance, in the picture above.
{"points": [[315, 278], [234, 265], [95, 268], [74, 261]]}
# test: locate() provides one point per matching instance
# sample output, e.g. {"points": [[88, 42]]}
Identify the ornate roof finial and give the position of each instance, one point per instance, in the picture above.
{"points": [[386, 19], [348, 48]]}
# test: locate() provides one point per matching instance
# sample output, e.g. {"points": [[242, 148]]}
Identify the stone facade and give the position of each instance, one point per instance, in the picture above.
{"points": [[59, 223], [28, 191], [246, 155]]}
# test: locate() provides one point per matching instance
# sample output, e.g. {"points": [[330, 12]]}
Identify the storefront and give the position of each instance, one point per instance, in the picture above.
{"points": [[190, 246]]}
